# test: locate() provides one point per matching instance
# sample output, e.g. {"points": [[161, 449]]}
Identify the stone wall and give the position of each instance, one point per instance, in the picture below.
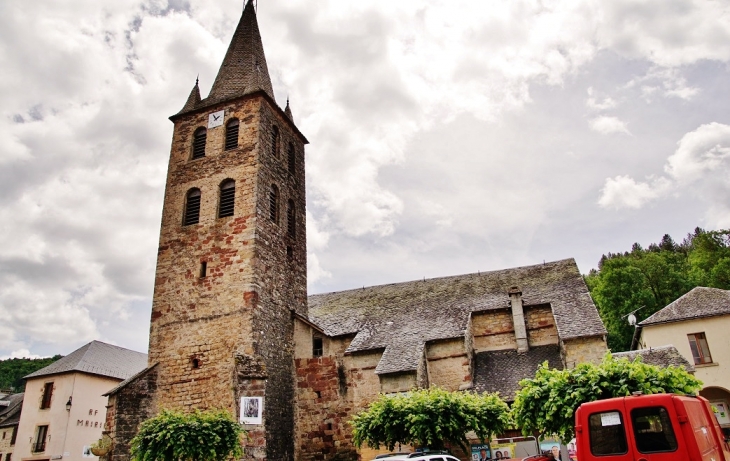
{"points": [[541, 329], [128, 407], [579, 350], [493, 330], [449, 366]]}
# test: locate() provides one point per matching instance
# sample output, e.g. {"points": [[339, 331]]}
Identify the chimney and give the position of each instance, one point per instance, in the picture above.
{"points": [[518, 319]]}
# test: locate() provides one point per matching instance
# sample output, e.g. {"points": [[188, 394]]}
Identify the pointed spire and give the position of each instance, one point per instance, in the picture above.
{"points": [[193, 99], [244, 69], [287, 110]]}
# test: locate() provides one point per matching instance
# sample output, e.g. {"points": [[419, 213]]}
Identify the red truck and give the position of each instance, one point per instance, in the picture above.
{"points": [[659, 427]]}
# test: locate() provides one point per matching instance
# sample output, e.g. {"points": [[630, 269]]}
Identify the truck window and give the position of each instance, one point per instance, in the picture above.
{"points": [[653, 430], [607, 434]]}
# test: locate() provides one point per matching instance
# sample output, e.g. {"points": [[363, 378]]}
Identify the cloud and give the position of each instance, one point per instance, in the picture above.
{"points": [[624, 192], [700, 166], [594, 103], [20, 354], [608, 125]]}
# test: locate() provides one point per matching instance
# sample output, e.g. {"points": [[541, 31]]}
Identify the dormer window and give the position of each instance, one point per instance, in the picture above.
{"points": [[192, 207], [232, 134], [199, 138], [227, 198]]}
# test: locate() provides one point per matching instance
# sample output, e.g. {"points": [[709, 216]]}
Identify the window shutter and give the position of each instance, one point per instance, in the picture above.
{"points": [[232, 134], [199, 142], [274, 203], [291, 219], [292, 156], [275, 141], [192, 208], [227, 198]]}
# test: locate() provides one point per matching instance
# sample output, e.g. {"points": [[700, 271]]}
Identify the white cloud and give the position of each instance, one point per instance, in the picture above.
{"points": [[701, 154], [20, 354], [608, 125], [599, 104], [625, 192]]}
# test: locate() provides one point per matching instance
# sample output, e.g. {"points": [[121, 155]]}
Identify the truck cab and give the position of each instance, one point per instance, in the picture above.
{"points": [[659, 427]]}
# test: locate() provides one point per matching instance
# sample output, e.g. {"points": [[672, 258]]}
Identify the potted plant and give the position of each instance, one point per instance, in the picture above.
{"points": [[102, 446]]}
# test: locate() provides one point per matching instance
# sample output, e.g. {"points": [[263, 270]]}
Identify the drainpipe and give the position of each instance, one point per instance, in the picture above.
{"points": [[518, 319]]}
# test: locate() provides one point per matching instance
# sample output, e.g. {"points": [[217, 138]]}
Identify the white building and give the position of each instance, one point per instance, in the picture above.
{"points": [[64, 409]]}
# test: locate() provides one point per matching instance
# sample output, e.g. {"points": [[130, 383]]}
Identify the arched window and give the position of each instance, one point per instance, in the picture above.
{"points": [[199, 138], [292, 156], [227, 196], [274, 204], [275, 141], [192, 207], [232, 134], [291, 223]]}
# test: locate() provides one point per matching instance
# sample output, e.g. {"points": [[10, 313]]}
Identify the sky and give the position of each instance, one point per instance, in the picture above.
{"points": [[447, 137]]}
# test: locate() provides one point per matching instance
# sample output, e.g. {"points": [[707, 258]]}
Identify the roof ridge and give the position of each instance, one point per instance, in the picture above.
{"points": [[445, 277]]}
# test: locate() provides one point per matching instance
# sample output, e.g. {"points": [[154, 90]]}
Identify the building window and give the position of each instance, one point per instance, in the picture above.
{"points": [[292, 157], [203, 269], [199, 138], [232, 134], [227, 196], [275, 141], [291, 226], [47, 395], [14, 436], [700, 349], [192, 207], [40, 439], [8, 457], [274, 204], [317, 348]]}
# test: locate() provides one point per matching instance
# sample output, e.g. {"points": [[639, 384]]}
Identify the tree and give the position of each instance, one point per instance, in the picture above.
{"points": [[430, 418], [12, 371], [656, 276], [546, 404], [199, 436]]}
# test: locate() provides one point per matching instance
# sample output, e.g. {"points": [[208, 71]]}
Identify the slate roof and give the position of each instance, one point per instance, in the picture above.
{"points": [[501, 371], [400, 318], [10, 415], [97, 358], [243, 71], [700, 302], [663, 356]]}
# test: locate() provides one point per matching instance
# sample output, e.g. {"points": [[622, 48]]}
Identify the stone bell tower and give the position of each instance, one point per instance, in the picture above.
{"points": [[231, 263]]}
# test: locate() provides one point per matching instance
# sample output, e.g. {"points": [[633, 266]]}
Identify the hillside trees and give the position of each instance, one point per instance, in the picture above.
{"points": [[13, 370], [656, 276]]}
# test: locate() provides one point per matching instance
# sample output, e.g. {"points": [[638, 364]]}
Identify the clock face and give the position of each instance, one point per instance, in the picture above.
{"points": [[215, 119]]}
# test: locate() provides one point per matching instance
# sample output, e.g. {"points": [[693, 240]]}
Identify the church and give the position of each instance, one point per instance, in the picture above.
{"points": [[232, 325]]}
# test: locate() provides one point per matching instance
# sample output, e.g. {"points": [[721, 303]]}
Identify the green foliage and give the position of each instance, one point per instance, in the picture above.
{"points": [[13, 370], [430, 418], [199, 436], [546, 405], [656, 276]]}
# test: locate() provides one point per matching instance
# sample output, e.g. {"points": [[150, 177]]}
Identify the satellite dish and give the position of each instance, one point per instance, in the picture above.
{"points": [[632, 319]]}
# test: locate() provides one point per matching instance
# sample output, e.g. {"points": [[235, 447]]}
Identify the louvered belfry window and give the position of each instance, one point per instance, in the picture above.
{"points": [[192, 207], [232, 134], [291, 219], [275, 141], [292, 156], [199, 138], [274, 203], [227, 196]]}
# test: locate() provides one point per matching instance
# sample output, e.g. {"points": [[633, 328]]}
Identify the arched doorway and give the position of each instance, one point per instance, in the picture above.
{"points": [[719, 398]]}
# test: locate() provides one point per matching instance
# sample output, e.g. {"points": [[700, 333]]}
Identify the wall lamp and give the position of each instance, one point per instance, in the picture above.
{"points": [[68, 404]]}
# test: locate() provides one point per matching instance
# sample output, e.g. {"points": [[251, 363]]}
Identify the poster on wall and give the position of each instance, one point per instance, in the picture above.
{"points": [[86, 452], [555, 448], [721, 413], [481, 452], [503, 450], [252, 409]]}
